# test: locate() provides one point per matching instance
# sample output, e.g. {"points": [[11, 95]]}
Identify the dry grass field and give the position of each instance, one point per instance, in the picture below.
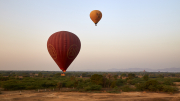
{"points": [[31, 95]]}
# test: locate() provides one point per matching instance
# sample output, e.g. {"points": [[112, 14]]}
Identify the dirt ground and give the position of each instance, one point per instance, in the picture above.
{"points": [[77, 96]]}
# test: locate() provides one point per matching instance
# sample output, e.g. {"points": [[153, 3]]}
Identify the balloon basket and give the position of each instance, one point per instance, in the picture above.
{"points": [[62, 74]]}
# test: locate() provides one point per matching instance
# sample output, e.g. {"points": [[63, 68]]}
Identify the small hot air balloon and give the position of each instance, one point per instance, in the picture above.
{"points": [[63, 47], [95, 16]]}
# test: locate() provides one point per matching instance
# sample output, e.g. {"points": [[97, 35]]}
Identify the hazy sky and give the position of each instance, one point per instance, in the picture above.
{"points": [[131, 33]]}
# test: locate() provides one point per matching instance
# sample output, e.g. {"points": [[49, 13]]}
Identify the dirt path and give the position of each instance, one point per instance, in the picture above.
{"points": [[76, 96]]}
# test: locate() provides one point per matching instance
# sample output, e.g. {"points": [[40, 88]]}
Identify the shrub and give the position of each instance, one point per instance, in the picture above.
{"points": [[135, 81], [146, 77], [106, 82], [160, 76], [72, 78], [131, 75], [170, 89], [131, 82], [155, 88], [174, 79], [159, 87], [93, 87], [13, 86], [4, 78], [75, 83], [113, 84], [49, 79], [140, 86], [97, 79], [47, 85], [80, 85], [115, 77], [120, 82], [168, 82], [126, 88], [31, 87], [70, 84], [115, 90], [151, 85], [59, 85]]}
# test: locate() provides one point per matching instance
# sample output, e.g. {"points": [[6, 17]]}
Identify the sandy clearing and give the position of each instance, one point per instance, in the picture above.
{"points": [[78, 96]]}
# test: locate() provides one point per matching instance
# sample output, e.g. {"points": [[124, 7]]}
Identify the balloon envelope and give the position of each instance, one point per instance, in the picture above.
{"points": [[63, 47], [95, 16]]}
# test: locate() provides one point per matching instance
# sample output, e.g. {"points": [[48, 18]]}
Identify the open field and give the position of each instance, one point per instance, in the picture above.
{"points": [[31, 95]]}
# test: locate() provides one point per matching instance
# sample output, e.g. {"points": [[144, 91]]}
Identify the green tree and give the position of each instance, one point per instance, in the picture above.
{"points": [[39, 74], [84, 74], [168, 81], [57, 75], [113, 84], [170, 89], [120, 82], [126, 88], [59, 85], [151, 85], [173, 75], [72, 78], [146, 77], [80, 84], [93, 87], [115, 77], [160, 76], [25, 75], [97, 79], [105, 81], [123, 75], [131, 76]]}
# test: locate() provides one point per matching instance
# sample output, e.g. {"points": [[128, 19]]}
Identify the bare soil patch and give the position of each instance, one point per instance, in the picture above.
{"points": [[31, 95], [177, 83]]}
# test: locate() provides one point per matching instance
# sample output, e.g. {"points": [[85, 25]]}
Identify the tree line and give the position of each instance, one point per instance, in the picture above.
{"points": [[93, 82]]}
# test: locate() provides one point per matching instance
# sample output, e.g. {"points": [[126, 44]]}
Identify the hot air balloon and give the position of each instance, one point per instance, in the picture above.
{"points": [[63, 47], [95, 16]]}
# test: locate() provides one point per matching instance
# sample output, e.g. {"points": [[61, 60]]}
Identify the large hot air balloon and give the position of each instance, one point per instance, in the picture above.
{"points": [[63, 47], [95, 16]]}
